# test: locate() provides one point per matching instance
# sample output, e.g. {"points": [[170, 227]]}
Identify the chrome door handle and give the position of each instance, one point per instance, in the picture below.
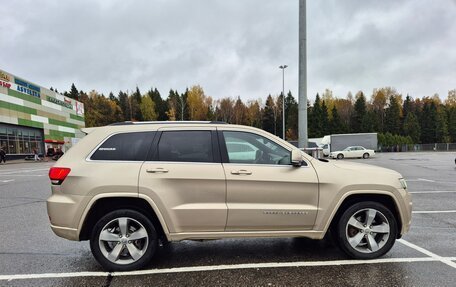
{"points": [[156, 170], [241, 172]]}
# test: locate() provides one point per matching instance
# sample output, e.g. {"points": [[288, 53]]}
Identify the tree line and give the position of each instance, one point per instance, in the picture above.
{"points": [[409, 120]]}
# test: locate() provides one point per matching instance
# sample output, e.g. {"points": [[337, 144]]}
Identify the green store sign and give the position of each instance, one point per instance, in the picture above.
{"points": [[59, 102]]}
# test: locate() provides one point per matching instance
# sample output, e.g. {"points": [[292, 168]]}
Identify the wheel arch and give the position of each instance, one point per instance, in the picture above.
{"points": [[102, 205], [386, 199]]}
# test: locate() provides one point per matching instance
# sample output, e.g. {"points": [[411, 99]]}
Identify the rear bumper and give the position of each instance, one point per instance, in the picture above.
{"points": [[65, 211], [65, 232]]}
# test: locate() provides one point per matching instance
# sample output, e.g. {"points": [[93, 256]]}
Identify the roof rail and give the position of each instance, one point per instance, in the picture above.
{"points": [[165, 122]]}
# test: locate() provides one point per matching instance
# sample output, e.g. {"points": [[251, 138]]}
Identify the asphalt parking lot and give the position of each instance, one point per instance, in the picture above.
{"points": [[31, 255]]}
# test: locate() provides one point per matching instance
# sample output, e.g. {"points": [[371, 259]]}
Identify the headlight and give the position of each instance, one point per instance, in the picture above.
{"points": [[403, 183]]}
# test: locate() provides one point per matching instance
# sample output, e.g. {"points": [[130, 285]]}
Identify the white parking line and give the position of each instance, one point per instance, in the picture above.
{"points": [[433, 191], [428, 180], [8, 172], [221, 267], [9, 175], [447, 261], [6, 180], [433, 211], [421, 179]]}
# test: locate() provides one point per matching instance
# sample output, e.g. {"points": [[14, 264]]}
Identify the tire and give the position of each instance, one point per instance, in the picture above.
{"points": [[119, 244], [340, 156], [358, 239], [366, 155]]}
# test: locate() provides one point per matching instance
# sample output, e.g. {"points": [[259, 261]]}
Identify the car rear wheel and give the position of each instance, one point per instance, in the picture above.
{"points": [[366, 155], [340, 156], [366, 230], [123, 240]]}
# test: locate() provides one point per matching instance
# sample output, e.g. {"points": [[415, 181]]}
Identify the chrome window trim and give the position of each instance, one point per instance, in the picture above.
{"points": [[267, 165], [181, 162]]}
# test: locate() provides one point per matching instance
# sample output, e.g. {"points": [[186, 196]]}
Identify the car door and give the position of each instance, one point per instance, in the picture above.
{"points": [[264, 191], [185, 179], [351, 153], [354, 152]]}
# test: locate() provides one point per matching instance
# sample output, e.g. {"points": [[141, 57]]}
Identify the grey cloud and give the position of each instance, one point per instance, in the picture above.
{"points": [[231, 48]]}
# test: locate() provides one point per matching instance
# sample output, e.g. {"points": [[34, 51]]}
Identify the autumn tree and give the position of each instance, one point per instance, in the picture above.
{"points": [[147, 108], [239, 112], [196, 101], [225, 110], [378, 102], [100, 111], [254, 114], [345, 109]]}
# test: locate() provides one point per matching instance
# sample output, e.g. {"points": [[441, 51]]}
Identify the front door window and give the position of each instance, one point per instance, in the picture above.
{"points": [[251, 148]]}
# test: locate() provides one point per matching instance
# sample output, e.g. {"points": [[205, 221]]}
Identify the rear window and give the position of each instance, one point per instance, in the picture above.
{"points": [[125, 147], [185, 146]]}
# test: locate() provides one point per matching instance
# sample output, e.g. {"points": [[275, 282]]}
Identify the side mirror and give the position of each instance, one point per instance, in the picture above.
{"points": [[296, 157]]}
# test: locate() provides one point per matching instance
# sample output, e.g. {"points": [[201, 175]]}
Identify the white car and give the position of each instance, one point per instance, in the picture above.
{"points": [[353, 152]]}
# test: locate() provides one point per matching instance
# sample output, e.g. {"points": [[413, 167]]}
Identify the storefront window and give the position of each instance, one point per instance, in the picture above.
{"points": [[20, 140]]}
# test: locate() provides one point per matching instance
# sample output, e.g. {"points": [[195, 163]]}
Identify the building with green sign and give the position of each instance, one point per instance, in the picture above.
{"points": [[36, 118]]}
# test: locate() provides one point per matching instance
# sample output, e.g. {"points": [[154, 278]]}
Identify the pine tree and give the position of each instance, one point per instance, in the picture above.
{"points": [[428, 120], [161, 106], [325, 130], [268, 122], [336, 124], [370, 122], [124, 104], [279, 115], [412, 127], [113, 98], [135, 102], [315, 115], [291, 117], [452, 123], [407, 107], [74, 94], [393, 116], [441, 126], [358, 114]]}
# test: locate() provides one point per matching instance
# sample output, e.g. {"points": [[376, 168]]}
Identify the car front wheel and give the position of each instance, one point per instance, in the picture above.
{"points": [[366, 155], [366, 230], [340, 156], [123, 240]]}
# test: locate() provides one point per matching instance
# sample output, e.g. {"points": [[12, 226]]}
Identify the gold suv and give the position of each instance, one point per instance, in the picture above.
{"points": [[127, 186]]}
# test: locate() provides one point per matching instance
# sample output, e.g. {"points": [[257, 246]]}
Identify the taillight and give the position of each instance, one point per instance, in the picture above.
{"points": [[58, 174]]}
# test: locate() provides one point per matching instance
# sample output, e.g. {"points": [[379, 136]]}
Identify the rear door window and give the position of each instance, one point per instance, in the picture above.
{"points": [[125, 147], [185, 146]]}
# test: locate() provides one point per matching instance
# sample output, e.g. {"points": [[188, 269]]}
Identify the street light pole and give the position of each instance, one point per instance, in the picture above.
{"points": [[283, 67]]}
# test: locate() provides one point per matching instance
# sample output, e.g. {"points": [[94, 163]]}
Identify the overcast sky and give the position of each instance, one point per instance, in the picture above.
{"points": [[231, 48]]}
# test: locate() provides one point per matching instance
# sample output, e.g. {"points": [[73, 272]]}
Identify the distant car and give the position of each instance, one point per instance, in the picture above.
{"points": [[353, 152]]}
